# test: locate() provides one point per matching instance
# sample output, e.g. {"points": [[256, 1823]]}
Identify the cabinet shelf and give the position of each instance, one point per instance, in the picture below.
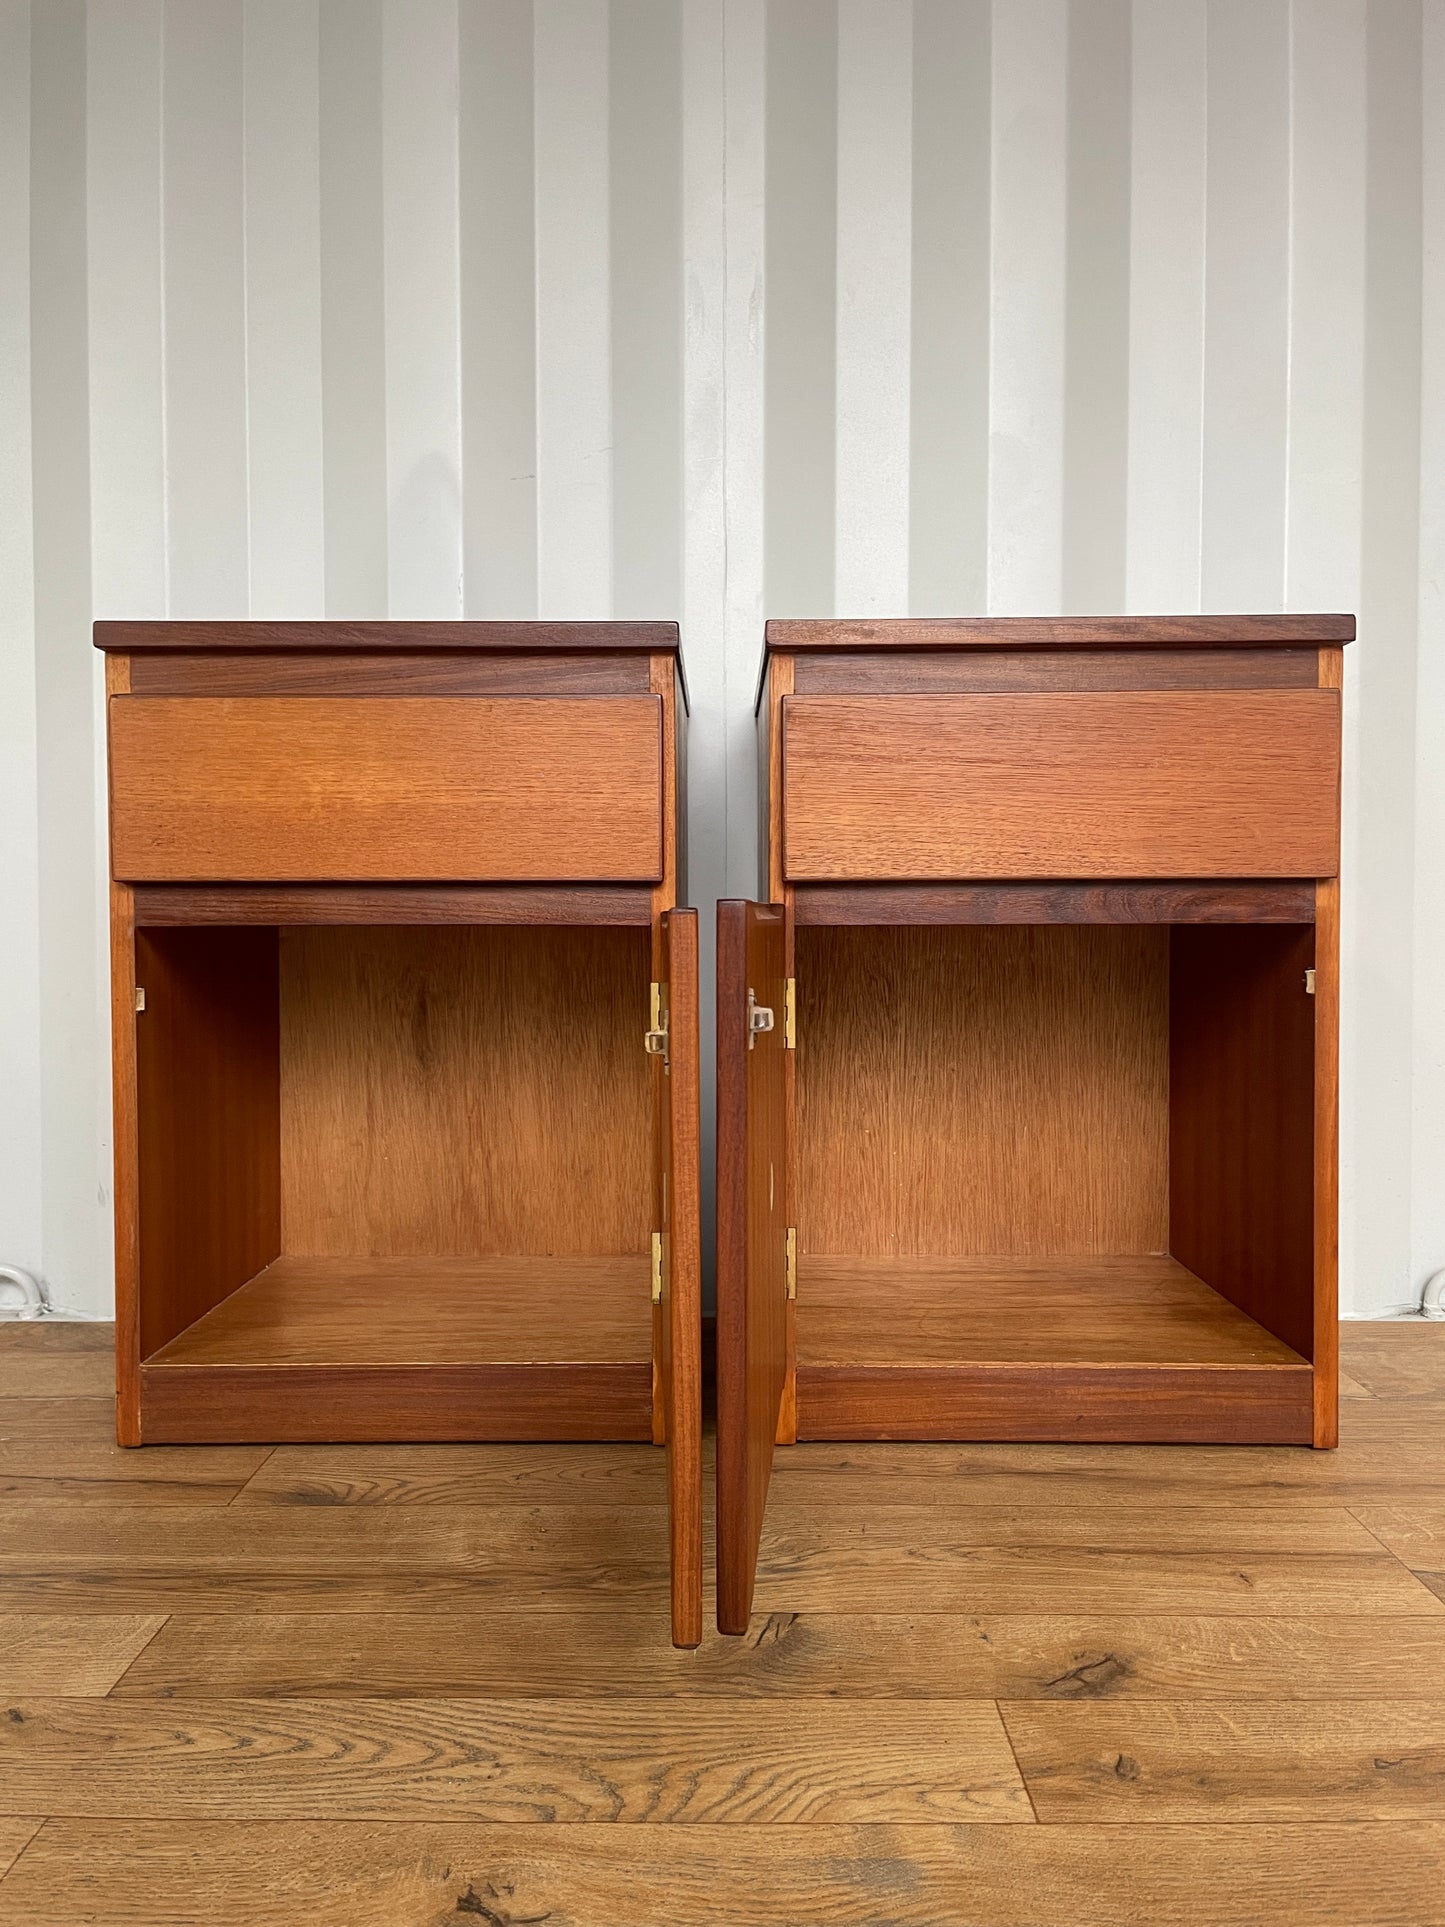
{"points": [[426, 1311]]}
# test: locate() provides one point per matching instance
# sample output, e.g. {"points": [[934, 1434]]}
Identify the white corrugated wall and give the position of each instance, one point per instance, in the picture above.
{"points": [[716, 308]]}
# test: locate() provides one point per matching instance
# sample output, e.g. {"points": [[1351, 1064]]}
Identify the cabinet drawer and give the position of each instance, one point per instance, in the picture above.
{"points": [[1171, 783], [299, 789]]}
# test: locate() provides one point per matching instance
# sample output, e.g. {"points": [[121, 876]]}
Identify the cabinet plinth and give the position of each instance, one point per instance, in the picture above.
{"points": [[1047, 1150], [390, 907]]}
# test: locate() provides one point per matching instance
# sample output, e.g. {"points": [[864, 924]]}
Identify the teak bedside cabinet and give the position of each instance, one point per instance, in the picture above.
{"points": [[1027, 1064], [405, 1039]]}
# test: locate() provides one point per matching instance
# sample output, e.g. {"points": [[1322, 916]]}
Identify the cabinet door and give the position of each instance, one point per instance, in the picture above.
{"points": [[680, 1307], [752, 1237]]}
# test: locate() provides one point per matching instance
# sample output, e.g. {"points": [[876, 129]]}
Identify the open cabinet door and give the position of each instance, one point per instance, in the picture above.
{"points": [[679, 1270], [752, 1237]]}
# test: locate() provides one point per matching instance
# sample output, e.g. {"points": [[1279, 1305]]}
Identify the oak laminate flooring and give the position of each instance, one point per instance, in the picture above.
{"points": [[1413, 1528], [1375, 1760], [15, 1836], [987, 1560], [94, 1470], [462, 1475], [510, 1761], [787, 1655], [1398, 1358], [70, 1655], [230, 1559], [72, 1372], [250, 1874], [49, 1336], [1381, 1454]]}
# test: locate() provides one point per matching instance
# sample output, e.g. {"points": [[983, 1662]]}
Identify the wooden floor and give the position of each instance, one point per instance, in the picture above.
{"points": [[986, 1686]]}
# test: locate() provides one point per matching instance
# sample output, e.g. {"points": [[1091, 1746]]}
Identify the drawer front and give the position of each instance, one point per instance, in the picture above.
{"points": [[300, 789], [1193, 783]]}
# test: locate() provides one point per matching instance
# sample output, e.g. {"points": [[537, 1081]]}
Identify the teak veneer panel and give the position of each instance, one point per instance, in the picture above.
{"points": [[1241, 1115], [326, 789], [1131, 901], [419, 1311], [1095, 1311], [1060, 632], [207, 1105], [1220, 783], [967, 1091], [980, 672], [161, 904], [464, 1092]]}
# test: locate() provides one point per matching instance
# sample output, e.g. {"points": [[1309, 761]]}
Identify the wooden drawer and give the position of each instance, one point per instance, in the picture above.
{"points": [[303, 789], [1173, 783]]}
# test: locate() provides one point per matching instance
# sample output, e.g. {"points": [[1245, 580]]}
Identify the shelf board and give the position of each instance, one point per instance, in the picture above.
{"points": [[1088, 1349], [426, 1312], [1058, 1311]]}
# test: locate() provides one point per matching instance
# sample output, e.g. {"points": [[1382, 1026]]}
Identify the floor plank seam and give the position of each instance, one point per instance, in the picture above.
{"points": [[135, 1658], [1018, 1764], [25, 1849]]}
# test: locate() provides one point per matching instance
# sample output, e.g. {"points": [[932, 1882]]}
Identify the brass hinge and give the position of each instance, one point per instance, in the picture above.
{"points": [[140, 998], [790, 1014], [1309, 983], [657, 1267], [655, 1040], [790, 1263]]}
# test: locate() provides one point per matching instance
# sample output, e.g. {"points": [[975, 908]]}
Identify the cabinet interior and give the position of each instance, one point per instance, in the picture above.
{"points": [[1068, 1144], [394, 1146]]}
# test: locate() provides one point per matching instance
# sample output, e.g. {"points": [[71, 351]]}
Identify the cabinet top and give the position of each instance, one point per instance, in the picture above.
{"points": [[1061, 632], [133, 638]]}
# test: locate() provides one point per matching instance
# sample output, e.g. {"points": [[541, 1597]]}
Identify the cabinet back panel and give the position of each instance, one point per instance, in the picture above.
{"points": [[965, 1092], [464, 1092]]}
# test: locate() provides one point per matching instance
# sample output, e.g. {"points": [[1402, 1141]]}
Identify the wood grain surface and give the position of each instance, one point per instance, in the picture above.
{"points": [[257, 1874], [345, 638], [219, 672], [1111, 1656], [79, 1559], [939, 1311], [1242, 1119], [965, 1092], [453, 1092], [382, 903], [681, 1310], [426, 1311], [1003, 671], [1186, 784], [64, 1657], [1186, 1643], [209, 1196], [1065, 1403], [751, 1240], [1132, 902], [657, 1761], [322, 789], [1371, 1760], [1060, 632]]}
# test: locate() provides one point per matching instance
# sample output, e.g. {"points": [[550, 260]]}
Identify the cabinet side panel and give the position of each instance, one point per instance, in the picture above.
{"points": [[208, 1111], [1242, 1119], [465, 1092], [1327, 1129]]}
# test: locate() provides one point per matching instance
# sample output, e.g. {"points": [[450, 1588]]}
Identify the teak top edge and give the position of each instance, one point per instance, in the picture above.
{"points": [[1058, 632], [131, 638]]}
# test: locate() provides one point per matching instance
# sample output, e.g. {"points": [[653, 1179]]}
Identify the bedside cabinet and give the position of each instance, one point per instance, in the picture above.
{"points": [[405, 1039], [1027, 1061]]}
